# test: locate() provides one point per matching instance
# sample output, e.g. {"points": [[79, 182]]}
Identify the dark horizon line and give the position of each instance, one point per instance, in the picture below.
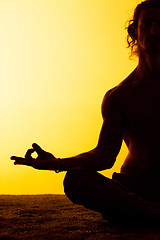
{"points": [[32, 194]]}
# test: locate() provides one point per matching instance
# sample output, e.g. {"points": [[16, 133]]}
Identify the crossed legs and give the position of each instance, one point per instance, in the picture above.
{"points": [[104, 195]]}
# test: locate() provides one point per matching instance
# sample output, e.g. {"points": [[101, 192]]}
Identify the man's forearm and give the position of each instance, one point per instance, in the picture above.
{"points": [[97, 159], [93, 160]]}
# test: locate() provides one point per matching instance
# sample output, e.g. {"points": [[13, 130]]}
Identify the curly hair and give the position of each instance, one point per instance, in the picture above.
{"points": [[133, 23]]}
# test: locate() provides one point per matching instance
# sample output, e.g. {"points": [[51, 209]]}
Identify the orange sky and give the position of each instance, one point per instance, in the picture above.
{"points": [[57, 60]]}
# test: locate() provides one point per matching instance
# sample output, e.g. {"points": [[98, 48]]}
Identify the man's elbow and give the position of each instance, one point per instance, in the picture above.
{"points": [[107, 163]]}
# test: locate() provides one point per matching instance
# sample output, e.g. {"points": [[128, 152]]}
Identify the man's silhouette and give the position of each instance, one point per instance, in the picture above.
{"points": [[131, 112]]}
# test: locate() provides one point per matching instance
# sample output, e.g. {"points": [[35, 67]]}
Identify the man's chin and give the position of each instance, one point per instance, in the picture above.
{"points": [[153, 46], [153, 49]]}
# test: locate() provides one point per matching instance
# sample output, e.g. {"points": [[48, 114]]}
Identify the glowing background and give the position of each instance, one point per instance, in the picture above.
{"points": [[57, 60]]}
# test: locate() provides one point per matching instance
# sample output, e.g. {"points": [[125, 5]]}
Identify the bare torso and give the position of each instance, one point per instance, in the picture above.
{"points": [[140, 106]]}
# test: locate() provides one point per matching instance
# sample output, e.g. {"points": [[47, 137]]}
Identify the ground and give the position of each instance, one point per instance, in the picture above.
{"points": [[55, 217]]}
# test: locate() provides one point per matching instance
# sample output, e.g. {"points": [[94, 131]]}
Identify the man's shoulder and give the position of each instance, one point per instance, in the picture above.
{"points": [[118, 92], [115, 97], [112, 100], [122, 89]]}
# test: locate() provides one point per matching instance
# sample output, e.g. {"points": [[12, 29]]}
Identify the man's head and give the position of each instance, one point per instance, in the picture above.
{"points": [[144, 28]]}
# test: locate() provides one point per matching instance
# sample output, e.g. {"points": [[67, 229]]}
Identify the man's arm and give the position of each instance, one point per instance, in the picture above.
{"points": [[100, 158], [110, 140]]}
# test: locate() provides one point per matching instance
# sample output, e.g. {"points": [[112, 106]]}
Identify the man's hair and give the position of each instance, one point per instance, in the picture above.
{"points": [[133, 23]]}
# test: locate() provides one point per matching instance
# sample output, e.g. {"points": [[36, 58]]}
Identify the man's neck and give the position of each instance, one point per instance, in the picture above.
{"points": [[148, 68]]}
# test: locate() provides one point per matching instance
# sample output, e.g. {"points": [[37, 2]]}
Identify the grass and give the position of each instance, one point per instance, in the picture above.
{"points": [[55, 217]]}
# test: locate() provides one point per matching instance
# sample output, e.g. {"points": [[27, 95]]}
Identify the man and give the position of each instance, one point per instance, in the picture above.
{"points": [[130, 113]]}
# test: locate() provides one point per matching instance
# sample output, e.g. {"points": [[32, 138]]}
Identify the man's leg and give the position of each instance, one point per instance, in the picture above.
{"points": [[96, 192], [107, 196]]}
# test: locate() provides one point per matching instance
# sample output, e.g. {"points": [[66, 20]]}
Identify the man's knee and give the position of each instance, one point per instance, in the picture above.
{"points": [[73, 183], [72, 178]]}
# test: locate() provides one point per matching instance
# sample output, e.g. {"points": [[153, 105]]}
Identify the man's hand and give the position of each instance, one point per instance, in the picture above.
{"points": [[42, 155], [44, 160]]}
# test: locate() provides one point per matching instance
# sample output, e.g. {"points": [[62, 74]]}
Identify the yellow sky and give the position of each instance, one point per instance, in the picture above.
{"points": [[57, 60]]}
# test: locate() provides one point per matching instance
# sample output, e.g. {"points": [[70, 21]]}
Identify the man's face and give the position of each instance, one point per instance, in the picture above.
{"points": [[148, 31]]}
